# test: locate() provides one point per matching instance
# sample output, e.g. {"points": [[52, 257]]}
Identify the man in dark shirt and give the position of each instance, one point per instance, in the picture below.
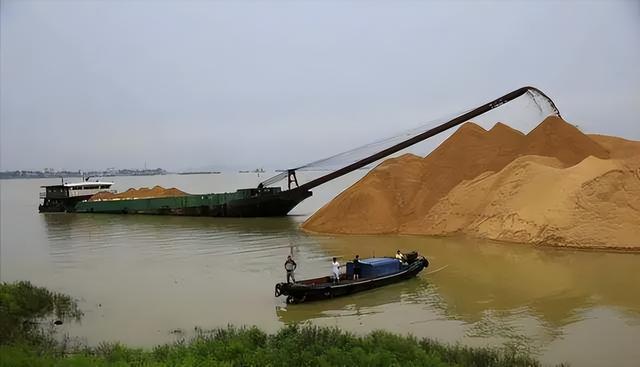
{"points": [[290, 266], [356, 268]]}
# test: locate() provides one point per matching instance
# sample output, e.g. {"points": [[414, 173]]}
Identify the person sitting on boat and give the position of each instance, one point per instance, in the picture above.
{"points": [[335, 270], [356, 268], [290, 266], [399, 256]]}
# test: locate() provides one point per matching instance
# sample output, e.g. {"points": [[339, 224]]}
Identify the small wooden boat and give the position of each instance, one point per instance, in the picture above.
{"points": [[375, 272]]}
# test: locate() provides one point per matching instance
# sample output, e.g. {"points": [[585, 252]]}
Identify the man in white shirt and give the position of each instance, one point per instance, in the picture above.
{"points": [[335, 270]]}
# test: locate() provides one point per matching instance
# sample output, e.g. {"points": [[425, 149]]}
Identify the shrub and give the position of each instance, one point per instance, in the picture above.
{"points": [[23, 307]]}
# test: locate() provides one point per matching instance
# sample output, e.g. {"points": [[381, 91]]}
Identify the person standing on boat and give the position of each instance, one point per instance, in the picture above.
{"points": [[290, 266], [356, 268], [336, 270]]}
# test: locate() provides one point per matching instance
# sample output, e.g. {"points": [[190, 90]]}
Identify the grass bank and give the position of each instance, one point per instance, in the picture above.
{"points": [[293, 345]]}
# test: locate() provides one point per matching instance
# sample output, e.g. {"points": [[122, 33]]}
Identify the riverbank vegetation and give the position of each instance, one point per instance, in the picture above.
{"points": [[27, 338]]}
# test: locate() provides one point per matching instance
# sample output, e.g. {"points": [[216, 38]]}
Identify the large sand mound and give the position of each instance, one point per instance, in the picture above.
{"points": [[141, 193], [478, 181]]}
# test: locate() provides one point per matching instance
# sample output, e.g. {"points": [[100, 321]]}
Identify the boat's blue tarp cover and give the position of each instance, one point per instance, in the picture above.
{"points": [[379, 261], [375, 267]]}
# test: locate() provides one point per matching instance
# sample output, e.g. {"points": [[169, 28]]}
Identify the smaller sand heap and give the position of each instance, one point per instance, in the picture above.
{"points": [[141, 193]]}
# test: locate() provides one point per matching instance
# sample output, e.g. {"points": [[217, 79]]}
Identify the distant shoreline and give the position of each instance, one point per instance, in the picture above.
{"points": [[200, 173], [79, 174]]}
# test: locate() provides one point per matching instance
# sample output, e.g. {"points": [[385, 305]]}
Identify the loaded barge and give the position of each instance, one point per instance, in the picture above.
{"points": [[265, 200]]}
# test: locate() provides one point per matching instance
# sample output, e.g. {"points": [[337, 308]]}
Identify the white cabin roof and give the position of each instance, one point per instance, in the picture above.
{"points": [[88, 183]]}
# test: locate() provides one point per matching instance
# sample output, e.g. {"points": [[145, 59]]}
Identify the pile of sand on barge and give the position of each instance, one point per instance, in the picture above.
{"points": [[141, 193], [553, 186]]}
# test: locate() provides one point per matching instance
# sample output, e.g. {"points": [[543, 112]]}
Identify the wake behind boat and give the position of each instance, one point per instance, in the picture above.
{"points": [[375, 272]]}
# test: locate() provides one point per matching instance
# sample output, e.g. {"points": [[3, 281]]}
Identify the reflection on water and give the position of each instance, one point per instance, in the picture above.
{"points": [[140, 277], [166, 235], [552, 284], [525, 297], [356, 305]]}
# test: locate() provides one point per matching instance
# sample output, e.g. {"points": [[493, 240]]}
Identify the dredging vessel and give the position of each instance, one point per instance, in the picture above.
{"points": [[266, 200]]}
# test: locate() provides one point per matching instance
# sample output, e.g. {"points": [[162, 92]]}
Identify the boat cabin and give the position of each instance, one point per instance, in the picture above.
{"points": [[63, 197]]}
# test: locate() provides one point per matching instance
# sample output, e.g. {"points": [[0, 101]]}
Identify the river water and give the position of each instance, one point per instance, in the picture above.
{"points": [[145, 280]]}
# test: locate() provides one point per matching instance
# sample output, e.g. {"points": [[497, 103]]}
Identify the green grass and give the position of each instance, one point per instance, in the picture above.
{"points": [[29, 346], [291, 346]]}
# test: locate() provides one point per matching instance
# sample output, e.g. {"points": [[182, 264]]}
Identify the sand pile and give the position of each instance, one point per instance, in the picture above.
{"points": [[554, 185], [141, 193]]}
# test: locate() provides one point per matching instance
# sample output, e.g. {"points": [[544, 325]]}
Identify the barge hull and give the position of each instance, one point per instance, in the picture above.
{"points": [[242, 203], [60, 205]]}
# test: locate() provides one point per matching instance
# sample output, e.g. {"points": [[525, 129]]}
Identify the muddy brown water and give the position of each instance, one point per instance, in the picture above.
{"points": [[145, 280]]}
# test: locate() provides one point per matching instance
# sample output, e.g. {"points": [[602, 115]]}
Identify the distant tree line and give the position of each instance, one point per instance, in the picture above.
{"points": [[48, 173]]}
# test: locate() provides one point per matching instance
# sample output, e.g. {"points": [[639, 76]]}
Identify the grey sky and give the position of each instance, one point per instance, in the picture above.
{"points": [[185, 84]]}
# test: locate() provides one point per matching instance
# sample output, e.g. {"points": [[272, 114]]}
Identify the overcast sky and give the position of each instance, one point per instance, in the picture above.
{"points": [[188, 84]]}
